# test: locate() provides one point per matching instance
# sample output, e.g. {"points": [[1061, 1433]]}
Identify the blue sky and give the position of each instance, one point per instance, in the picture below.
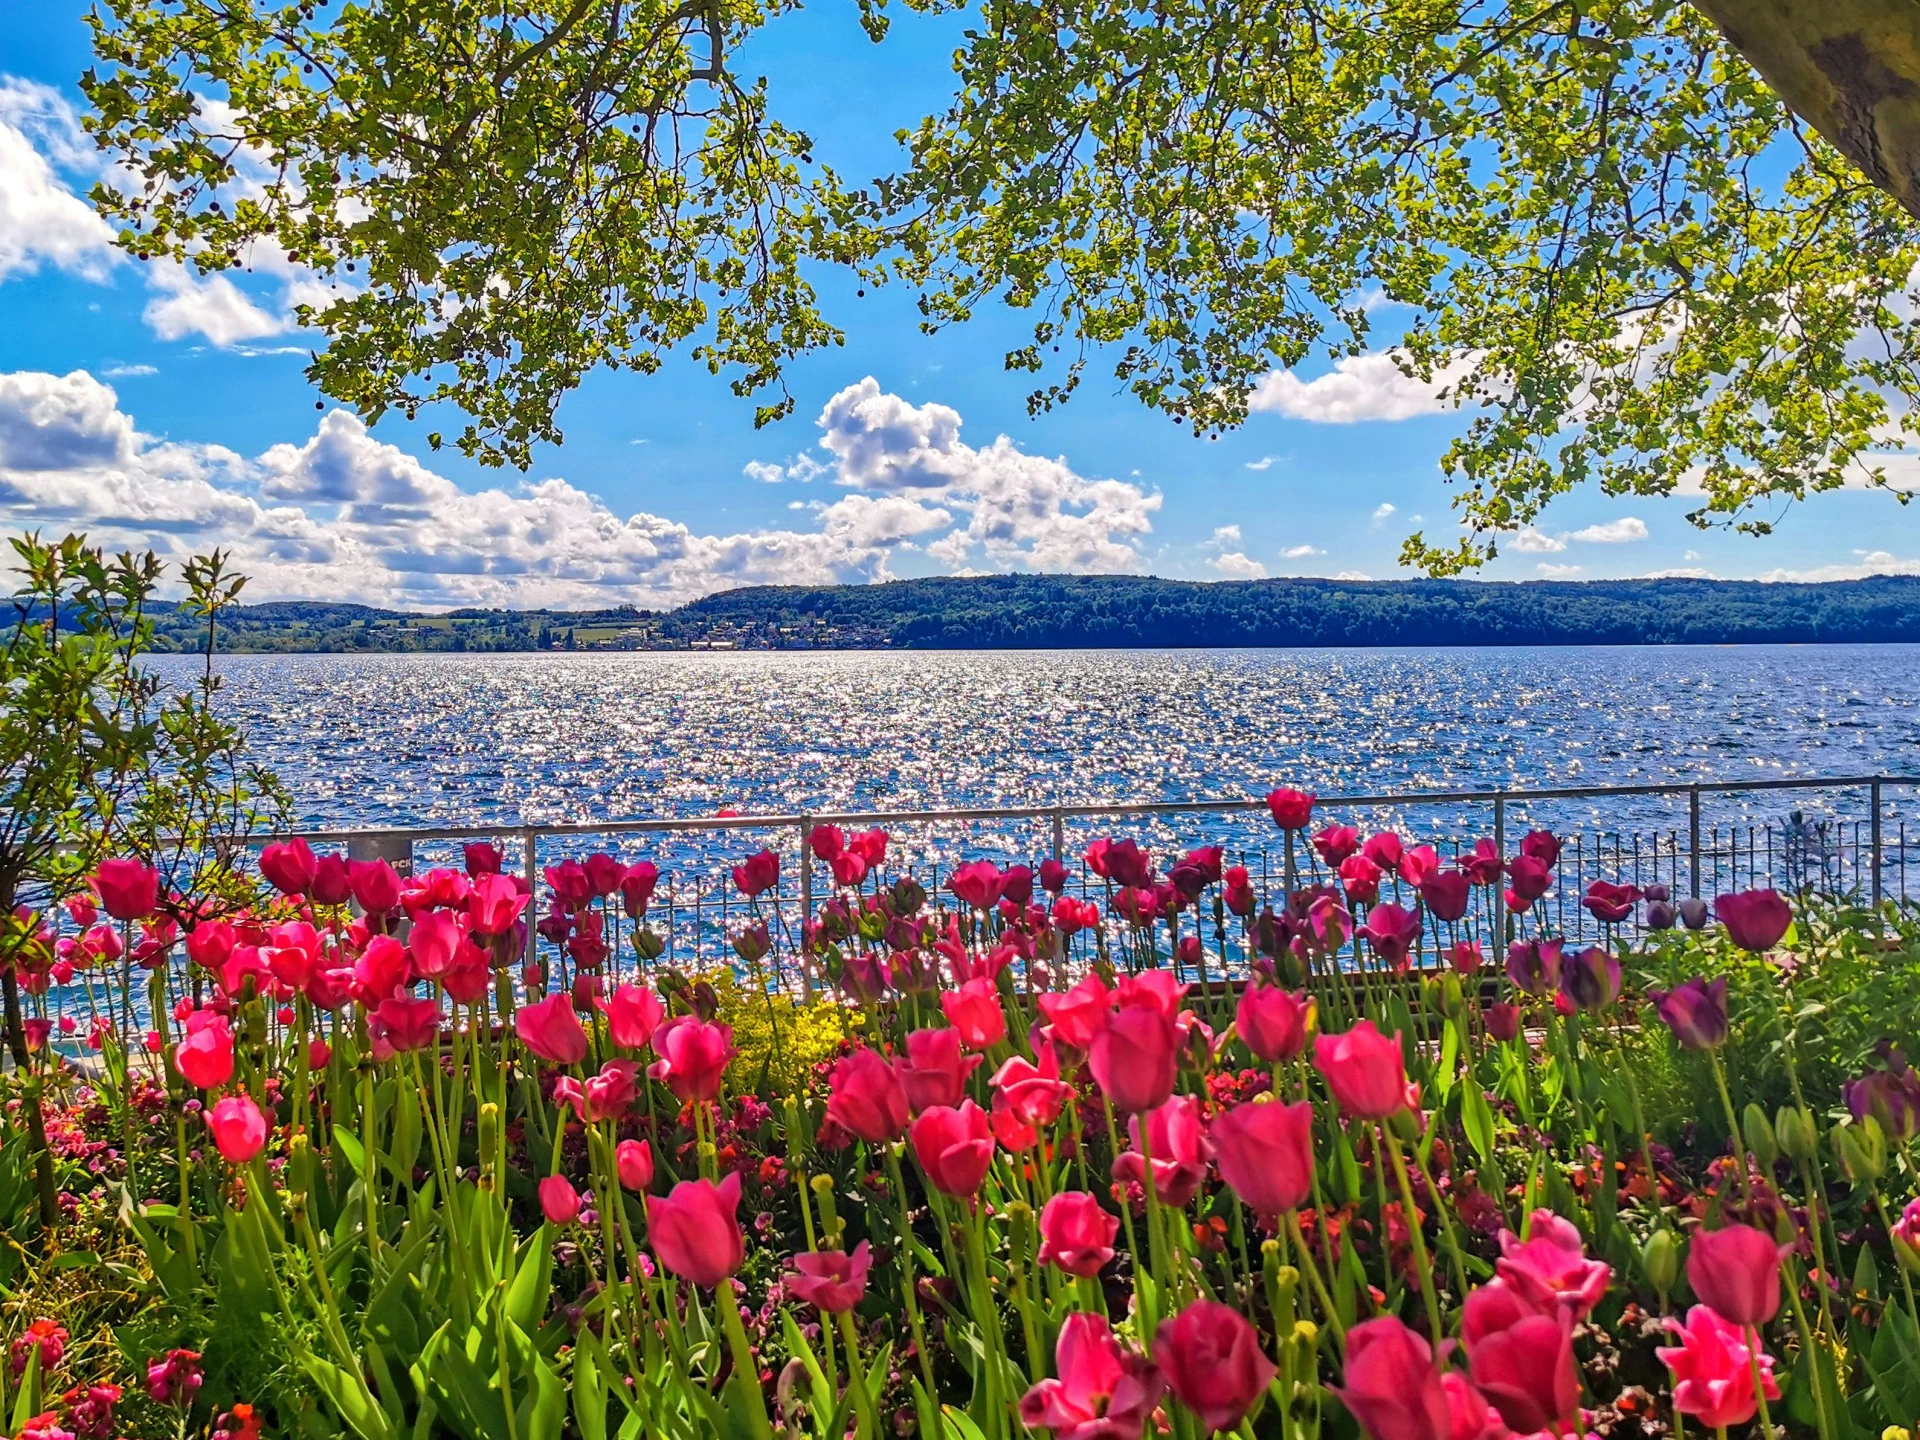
{"points": [[153, 408]]}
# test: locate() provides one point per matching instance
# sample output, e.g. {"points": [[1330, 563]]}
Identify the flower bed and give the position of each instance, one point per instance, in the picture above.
{"points": [[405, 1156]]}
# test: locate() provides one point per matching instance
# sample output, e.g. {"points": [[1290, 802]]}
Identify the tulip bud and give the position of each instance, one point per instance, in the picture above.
{"points": [[1861, 1150], [1407, 1124], [1793, 1128], [650, 945], [1896, 1432], [1660, 1259], [1453, 999], [1020, 1231], [1761, 1143]]}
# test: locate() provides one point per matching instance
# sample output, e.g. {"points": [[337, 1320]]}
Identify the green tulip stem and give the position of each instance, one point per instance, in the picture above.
{"points": [[1733, 1127], [1422, 1265], [1759, 1393]]}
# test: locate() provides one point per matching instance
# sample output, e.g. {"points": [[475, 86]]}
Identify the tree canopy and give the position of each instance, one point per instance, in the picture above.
{"points": [[1627, 260]]}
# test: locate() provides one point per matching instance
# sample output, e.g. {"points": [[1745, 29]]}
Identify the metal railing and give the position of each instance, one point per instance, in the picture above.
{"points": [[1858, 856]]}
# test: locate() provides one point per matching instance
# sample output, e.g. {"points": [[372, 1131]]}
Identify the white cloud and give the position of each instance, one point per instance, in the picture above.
{"points": [[763, 471], [1535, 542], [209, 305], [1557, 572], [1359, 387], [1614, 532], [1226, 535], [41, 219], [1300, 552], [1685, 572], [1382, 513], [1237, 566], [127, 372], [1869, 562], [1265, 462], [344, 512], [1353, 575]]}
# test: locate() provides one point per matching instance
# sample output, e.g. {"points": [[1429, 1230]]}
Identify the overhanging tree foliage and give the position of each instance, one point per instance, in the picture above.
{"points": [[1623, 255]]}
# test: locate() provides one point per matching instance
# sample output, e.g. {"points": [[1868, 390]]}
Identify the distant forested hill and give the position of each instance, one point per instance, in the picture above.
{"points": [[1019, 611], [1080, 612]]}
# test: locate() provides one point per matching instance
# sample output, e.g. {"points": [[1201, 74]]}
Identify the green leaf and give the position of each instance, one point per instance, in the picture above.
{"points": [[350, 1149], [1476, 1116], [350, 1399]]}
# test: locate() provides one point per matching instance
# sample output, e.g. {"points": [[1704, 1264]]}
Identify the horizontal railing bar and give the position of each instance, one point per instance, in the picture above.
{"points": [[1082, 810]]}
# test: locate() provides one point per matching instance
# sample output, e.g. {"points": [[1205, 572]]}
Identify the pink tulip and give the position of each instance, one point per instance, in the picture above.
{"points": [[1076, 1234], [1360, 878], [1527, 1372], [1034, 1093], [1549, 1269], [559, 1201], [1534, 965], [1541, 845], [494, 904], [239, 1128], [1103, 1392], [1736, 1270], [319, 1054], [933, 1071], [1365, 1070], [1291, 809], [405, 1023], [1695, 1011], [481, 857], [834, 1280], [974, 1010], [1265, 1153], [1609, 903], [376, 886], [1393, 1386], [1213, 1362], [606, 1096], [1133, 1058], [288, 866], [1503, 1021], [552, 1031], [128, 889], [1755, 919], [435, 942], [1528, 879], [1273, 1024], [1393, 931], [954, 1147], [331, 885], [633, 1014], [1176, 1136], [1335, 843], [1446, 893], [758, 874], [865, 1097], [1128, 865], [205, 1055], [693, 1057], [1075, 1016], [696, 1229], [636, 887], [633, 1162], [1713, 1370], [1418, 865], [1466, 959], [977, 884], [1053, 876]]}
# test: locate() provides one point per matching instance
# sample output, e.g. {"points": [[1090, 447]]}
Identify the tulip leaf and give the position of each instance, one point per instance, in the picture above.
{"points": [[1894, 1363], [532, 1284], [589, 1396], [543, 1414], [1477, 1117], [27, 1403], [350, 1399], [823, 1398], [351, 1150]]}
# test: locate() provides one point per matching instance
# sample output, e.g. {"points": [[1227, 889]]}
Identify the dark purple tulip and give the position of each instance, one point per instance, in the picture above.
{"points": [[1590, 978], [1503, 1021], [1660, 915], [1693, 913], [1755, 919], [1891, 1095], [1534, 965], [1446, 893], [1656, 892], [1696, 1012]]}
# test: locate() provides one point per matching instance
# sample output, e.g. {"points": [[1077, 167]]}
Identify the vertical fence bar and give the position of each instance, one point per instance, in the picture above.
{"points": [[1693, 832], [1875, 841], [1059, 836], [530, 863]]}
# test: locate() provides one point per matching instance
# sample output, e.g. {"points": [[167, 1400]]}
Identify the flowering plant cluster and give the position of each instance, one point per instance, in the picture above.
{"points": [[1166, 1157]]}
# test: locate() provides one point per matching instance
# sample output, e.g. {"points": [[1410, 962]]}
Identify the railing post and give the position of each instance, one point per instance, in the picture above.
{"points": [[806, 900], [1059, 836], [1693, 840], [1500, 853], [530, 862], [1875, 834]]}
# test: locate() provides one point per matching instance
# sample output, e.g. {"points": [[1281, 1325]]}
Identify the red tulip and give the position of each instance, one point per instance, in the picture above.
{"points": [[1419, 865], [1097, 857], [834, 1280], [1755, 919], [1360, 878], [1034, 1093], [848, 869], [978, 884], [933, 1071], [604, 873], [1365, 1070], [974, 1010], [1265, 1153], [331, 885], [1609, 903], [552, 1031], [319, 1054], [1384, 850], [870, 846], [1160, 990], [209, 944], [1503, 1021], [693, 1057], [1713, 1370], [633, 1014], [865, 1097], [239, 1128], [1549, 1270], [481, 857], [1017, 885], [636, 887], [1291, 809], [1177, 1137], [435, 942], [1528, 879], [494, 903], [1133, 1058], [1273, 1023], [1213, 1362], [205, 1055], [128, 889], [1446, 893], [375, 884], [1128, 865], [828, 842], [1102, 1393], [1541, 845], [1053, 876], [1736, 1270], [759, 874], [954, 1147], [405, 1024], [559, 1201], [1393, 1386], [288, 866], [1239, 895], [1076, 1234], [1393, 932], [633, 1163], [1481, 865], [381, 969], [1526, 1370], [696, 1229], [1335, 843], [606, 1096]]}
